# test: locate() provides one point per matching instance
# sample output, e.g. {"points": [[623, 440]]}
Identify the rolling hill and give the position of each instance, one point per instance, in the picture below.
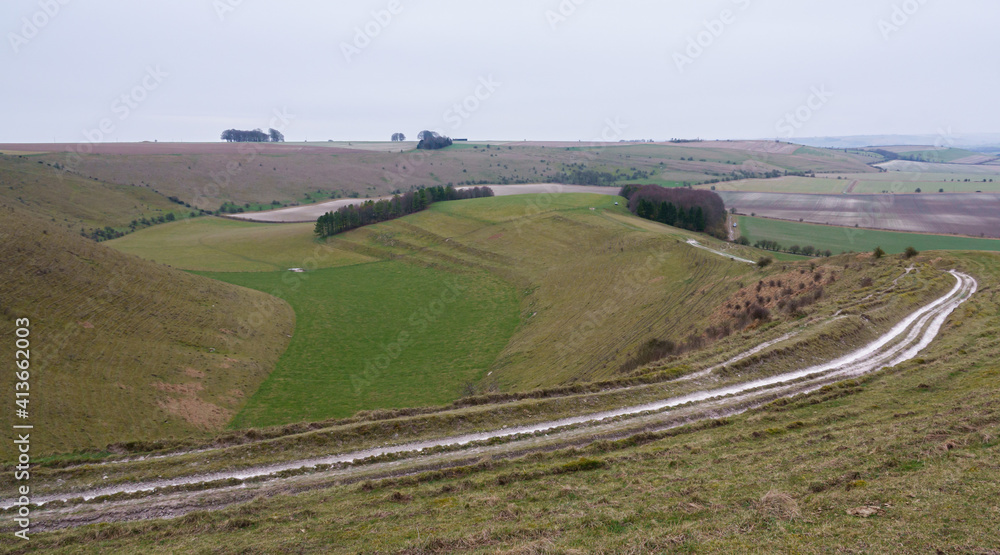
{"points": [[572, 304], [124, 350], [206, 175], [75, 202]]}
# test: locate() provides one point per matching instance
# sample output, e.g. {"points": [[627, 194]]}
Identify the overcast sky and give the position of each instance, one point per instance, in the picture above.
{"points": [[511, 69]]}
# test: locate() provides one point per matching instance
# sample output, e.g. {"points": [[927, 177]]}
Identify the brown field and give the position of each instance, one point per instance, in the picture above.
{"points": [[902, 149], [975, 160], [206, 175], [973, 215], [770, 147]]}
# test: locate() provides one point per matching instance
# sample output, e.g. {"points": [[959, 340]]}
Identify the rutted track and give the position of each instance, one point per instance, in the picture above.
{"points": [[903, 342], [698, 245]]}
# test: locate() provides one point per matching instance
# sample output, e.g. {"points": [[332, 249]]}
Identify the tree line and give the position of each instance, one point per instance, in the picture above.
{"points": [[350, 217], [695, 210], [769, 245], [252, 136]]}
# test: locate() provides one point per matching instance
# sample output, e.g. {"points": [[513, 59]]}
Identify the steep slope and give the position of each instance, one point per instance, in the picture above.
{"points": [[557, 289], [72, 201], [123, 349]]}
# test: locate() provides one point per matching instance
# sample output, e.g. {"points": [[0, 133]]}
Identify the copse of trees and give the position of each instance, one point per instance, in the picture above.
{"points": [[692, 209], [430, 140], [347, 218], [398, 137], [253, 136]]}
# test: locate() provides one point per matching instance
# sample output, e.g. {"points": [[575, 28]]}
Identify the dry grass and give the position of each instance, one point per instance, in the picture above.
{"points": [[124, 349], [778, 505]]}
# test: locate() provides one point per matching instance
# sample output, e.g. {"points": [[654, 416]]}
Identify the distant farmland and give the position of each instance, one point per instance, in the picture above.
{"points": [[847, 239], [205, 175], [955, 214]]}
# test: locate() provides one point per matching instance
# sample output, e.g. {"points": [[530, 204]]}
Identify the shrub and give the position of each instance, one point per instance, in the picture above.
{"points": [[910, 252], [878, 252], [764, 262], [759, 313]]}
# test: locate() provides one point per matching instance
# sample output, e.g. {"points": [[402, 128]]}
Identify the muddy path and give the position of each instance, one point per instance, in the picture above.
{"points": [[174, 497], [698, 245]]}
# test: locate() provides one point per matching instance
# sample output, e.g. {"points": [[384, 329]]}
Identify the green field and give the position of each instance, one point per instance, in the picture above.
{"points": [[221, 245], [845, 239], [381, 335], [577, 284], [944, 155], [916, 443]]}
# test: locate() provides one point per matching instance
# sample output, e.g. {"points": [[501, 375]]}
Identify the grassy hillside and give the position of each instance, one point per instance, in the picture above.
{"points": [[312, 173], [844, 239], [71, 201], [221, 245], [123, 349], [572, 286], [915, 446]]}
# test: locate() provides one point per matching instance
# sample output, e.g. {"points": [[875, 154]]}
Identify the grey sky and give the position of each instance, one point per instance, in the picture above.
{"points": [[552, 78]]}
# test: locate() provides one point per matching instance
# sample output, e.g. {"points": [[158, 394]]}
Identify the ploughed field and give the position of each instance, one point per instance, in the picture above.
{"points": [[956, 214]]}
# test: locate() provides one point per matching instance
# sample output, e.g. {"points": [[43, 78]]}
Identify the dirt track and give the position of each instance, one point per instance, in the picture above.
{"points": [[903, 342]]}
